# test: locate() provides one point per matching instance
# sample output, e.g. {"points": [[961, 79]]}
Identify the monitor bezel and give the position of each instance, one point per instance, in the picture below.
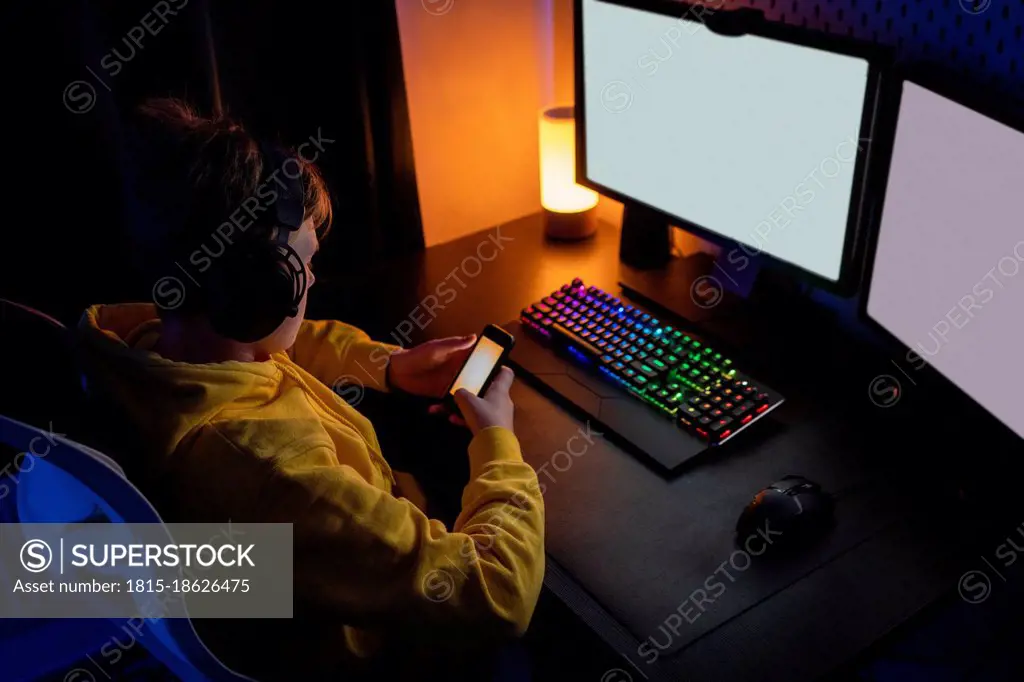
{"points": [[991, 105], [877, 58]]}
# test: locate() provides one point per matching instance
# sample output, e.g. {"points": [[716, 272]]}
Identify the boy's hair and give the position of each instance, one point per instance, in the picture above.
{"points": [[191, 173]]}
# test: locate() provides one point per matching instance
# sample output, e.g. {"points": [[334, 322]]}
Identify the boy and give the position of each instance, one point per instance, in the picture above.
{"points": [[242, 425]]}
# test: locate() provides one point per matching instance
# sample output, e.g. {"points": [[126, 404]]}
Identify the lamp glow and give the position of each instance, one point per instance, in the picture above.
{"points": [[567, 205]]}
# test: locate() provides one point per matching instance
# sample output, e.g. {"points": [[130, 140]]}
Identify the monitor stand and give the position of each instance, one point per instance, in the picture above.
{"points": [[646, 240]]}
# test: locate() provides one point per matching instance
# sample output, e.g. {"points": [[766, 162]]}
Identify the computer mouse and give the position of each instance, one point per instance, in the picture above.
{"points": [[791, 512]]}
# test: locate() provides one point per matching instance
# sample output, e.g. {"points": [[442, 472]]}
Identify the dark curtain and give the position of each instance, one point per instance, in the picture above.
{"points": [[287, 69]]}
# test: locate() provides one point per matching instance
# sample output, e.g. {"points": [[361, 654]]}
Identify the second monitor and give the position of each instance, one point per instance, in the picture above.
{"points": [[746, 138]]}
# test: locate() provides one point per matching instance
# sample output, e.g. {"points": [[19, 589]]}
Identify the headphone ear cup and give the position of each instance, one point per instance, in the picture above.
{"points": [[257, 287]]}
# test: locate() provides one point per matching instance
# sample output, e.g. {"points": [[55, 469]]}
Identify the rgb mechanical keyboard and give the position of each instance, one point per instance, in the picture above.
{"points": [[671, 369]]}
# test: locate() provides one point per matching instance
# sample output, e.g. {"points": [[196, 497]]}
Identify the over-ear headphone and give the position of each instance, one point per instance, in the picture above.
{"points": [[259, 282]]}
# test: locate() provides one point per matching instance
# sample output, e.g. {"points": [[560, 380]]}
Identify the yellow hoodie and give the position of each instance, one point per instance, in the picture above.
{"points": [[271, 442]]}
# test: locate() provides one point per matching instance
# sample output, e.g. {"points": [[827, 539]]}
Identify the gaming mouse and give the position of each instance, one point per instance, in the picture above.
{"points": [[789, 512]]}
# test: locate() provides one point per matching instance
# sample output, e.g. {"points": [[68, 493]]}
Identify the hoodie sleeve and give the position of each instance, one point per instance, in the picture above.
{"points": [[333, 351], [376, 559]]}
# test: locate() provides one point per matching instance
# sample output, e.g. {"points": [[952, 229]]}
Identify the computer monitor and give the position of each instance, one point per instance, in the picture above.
{"points": [[946, 271], [756, 139]]}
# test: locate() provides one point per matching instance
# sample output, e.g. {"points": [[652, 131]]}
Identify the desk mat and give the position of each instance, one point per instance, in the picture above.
{"points": [[642, 544]]}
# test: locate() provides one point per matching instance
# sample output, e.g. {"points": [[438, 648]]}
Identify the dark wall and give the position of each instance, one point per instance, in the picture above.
{"points": [[979, 40]]}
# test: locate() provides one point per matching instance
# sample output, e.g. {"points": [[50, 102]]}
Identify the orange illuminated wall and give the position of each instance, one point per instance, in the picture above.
{"points": [[478, 73]]}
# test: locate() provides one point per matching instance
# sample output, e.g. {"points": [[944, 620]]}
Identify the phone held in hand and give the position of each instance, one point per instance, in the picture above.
{"points": [[485, 360]]}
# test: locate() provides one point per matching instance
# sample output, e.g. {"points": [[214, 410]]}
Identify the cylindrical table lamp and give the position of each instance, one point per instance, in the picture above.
{"points": [[568, 208]]}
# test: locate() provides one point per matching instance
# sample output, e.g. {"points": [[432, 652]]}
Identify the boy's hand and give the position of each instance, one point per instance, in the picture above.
{"points": [[494, 409], [429, 368]]}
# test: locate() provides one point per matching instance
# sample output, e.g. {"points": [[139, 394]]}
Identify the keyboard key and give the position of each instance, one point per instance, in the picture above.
{"points": [[721, 424], [704, 421], [640, 379], [607, 359], [671, 359], [742, 409], [642, 355], [618, 366], [643, 368], [693, 412], [716, 412]]}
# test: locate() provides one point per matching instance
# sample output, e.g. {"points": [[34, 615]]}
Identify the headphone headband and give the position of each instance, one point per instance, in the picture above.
{"points": [[289, 207]]}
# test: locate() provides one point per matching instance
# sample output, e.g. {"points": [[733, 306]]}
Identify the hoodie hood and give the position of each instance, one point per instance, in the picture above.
{"points": [[165, 400]]}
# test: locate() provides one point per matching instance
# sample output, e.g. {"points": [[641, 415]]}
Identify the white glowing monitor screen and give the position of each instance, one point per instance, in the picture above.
{"points": [[750, 138], [948, 273]]}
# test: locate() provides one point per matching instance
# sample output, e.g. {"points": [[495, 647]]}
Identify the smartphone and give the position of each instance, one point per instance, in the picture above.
{"points": [[490, 351]]}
